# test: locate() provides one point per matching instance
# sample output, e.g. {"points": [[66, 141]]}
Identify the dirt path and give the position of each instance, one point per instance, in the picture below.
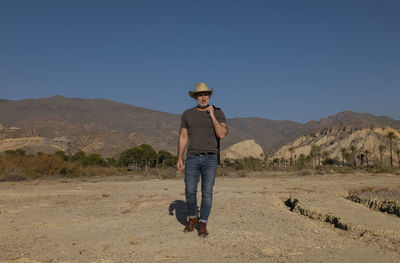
{"points": [[115, 220]]}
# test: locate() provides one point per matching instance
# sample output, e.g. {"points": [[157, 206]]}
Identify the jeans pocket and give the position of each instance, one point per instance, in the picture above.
{"points": [[214, 156]]}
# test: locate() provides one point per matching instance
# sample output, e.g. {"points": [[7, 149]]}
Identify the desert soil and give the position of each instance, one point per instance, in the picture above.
{"points": [[120, 219]]}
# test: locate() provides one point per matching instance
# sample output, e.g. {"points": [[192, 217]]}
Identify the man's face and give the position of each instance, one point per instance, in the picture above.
{"points": [[203, 98]]}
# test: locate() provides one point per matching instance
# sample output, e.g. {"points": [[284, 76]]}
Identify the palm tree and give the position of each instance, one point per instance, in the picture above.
{"points": [[381, 151], [282, 161], [308, 159], [312, 153], [366, 152], [353, 153], [291, 150], [391, 135], [266, 159], [348, 157], [325, 157], [315, 152], [302, 160], [319, 155], [361, 156], [343, 151], [398, 155]]}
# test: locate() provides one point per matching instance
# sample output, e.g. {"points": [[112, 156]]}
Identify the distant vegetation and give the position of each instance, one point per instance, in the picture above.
{"points": [[17, 165], [144, 160]]}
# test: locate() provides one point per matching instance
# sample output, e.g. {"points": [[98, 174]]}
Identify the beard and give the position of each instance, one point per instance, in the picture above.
{"points": [[202, 105]]}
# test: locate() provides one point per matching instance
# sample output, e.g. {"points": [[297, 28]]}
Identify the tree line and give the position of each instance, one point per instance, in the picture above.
{"points": [[139, 157], [144, 157]]}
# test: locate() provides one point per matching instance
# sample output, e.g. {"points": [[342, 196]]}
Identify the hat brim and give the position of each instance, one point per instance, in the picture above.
{"points": [[193, 93]]}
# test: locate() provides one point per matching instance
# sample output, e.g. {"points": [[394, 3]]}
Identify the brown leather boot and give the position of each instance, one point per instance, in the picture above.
{"points": [[202, 230], [191, 224]]}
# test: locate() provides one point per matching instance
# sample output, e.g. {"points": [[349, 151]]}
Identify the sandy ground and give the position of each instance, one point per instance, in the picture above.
{"points": [[125, 220]]}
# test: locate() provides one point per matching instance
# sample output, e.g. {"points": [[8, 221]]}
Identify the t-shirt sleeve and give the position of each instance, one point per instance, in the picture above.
{"points": [[183, 121], [219, 114]]}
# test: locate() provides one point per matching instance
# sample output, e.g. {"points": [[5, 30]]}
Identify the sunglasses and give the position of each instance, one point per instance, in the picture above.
{"points": [[207, 94]]}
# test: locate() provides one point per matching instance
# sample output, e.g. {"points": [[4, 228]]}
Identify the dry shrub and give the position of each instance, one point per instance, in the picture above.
{"points": [[12, 175], [44, 165], [99, 171], [31, 166], [344, 170], [307, 172], [161, 173], [168, 173], [149, 173], [373, 189], [12, 168], [368, 189], [230, 172], [379, 170], [22, 167]]}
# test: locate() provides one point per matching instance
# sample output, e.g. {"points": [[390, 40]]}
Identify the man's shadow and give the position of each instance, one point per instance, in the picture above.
{"points": [[180, 211]]}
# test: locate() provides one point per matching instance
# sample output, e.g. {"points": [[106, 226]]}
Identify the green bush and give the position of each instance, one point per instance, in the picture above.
{"points": [[94, 160], [61, 155]]}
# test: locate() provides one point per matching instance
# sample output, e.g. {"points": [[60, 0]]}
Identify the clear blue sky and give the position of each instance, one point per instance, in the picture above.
{"points": [[294, 60]]}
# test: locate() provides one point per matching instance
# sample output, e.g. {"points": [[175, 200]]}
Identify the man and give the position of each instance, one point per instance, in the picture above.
{"points": [[201, 129]]}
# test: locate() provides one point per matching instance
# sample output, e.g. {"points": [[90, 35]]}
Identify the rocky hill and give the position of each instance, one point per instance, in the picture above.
{"points": [[108, 127], [102, 126], [362, 130], [333, 139], [354, 120], [272, 135]]}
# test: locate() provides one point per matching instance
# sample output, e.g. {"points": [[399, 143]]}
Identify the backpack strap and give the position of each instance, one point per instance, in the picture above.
{"points": [[218, 140]]}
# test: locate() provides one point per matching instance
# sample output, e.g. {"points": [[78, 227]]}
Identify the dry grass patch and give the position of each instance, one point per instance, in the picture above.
{"points": [[371, 189], [302, 189], [260, 192], [62, 202], [134, 241]]}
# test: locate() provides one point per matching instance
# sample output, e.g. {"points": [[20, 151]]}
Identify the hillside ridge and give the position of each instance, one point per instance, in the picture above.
{"points": [[108, 127]]}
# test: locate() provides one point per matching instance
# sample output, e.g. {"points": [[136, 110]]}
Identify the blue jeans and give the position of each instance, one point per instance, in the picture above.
{"points": [[206, 165]]}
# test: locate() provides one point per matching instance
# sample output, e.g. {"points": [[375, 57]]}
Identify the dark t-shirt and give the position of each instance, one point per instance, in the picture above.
{"points": [[202, 137]]}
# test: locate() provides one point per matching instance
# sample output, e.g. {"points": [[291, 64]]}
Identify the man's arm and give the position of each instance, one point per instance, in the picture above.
{"points": [[221, 129], [183, 140]]}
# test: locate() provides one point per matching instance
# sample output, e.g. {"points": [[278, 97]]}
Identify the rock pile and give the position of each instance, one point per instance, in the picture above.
{"points": [[243, 149]]}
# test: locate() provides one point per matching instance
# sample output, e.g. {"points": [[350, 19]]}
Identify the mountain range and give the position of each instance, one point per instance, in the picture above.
{"points": [[108, 127]]}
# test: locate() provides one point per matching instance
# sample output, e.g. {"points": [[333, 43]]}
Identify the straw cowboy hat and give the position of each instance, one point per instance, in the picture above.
{"points": [[200, 87]]}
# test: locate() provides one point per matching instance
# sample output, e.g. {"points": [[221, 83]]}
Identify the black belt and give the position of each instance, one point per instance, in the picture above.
{"points": [[203, 153]]}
